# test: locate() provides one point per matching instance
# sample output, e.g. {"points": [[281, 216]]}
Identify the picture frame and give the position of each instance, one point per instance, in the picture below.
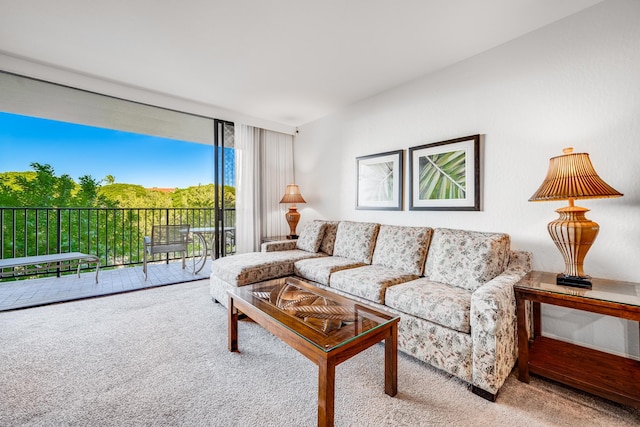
{"points": [[445, 176], [379, 181]]}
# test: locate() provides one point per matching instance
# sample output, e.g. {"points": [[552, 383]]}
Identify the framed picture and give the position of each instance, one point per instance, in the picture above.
{"points": [[445, 175], [379, 181]]}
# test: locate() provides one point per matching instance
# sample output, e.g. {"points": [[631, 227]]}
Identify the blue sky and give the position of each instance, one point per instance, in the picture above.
{"points": [[78, 150]]}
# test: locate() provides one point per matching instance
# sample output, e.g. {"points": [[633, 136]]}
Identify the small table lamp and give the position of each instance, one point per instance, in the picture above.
{"points": [[292, 195], [572, 176]]}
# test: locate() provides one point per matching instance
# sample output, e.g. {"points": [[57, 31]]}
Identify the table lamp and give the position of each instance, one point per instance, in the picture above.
{"points": [[292, 195], [572, 176]]}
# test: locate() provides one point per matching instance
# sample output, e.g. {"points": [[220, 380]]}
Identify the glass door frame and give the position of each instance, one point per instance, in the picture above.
{"points": [[219, 164]]}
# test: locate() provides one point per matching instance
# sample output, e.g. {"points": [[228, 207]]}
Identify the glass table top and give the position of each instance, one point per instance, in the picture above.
{"points": [[604, 290], [323, 318]]}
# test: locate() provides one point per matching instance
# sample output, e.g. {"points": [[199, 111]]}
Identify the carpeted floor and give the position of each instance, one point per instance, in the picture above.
{"points": [[159, 357]]}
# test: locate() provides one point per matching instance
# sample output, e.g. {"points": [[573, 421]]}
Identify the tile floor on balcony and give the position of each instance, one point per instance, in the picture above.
{"points": [[34, 292]]}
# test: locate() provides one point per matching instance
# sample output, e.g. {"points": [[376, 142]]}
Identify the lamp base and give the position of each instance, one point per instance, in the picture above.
{"points": [[583, 282], [293, 216], [573, 235]]}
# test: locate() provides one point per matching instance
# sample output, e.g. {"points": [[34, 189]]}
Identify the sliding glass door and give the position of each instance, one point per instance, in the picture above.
{"points": [[225, 194], [123, 166]]}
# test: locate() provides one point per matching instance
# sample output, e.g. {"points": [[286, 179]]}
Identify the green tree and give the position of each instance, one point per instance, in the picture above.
{"points": [[229, 197], [63, 190], [88, 195], [42, 188], [37, 192], [202, 196], [136, 196], [51, 229]]}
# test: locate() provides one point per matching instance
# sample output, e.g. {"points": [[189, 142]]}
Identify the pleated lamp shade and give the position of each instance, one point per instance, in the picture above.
{"points": [[292, 195], [572, 176]]}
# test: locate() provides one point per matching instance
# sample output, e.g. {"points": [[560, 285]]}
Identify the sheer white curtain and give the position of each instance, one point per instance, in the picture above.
{"points": [[276, 158], [264, 167], [247, 160]]}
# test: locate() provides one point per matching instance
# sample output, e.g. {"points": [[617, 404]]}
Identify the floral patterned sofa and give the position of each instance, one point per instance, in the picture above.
{"points": [[452, 288]]}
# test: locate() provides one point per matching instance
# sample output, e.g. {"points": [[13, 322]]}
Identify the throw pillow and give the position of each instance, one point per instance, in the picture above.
{"points": [[402, 248], [466, 259], [356, 240], [310, 237], [329, 239]]}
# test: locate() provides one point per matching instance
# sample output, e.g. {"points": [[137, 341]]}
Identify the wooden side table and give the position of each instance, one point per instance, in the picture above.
{"points": [[607, 375], [276, 238]]}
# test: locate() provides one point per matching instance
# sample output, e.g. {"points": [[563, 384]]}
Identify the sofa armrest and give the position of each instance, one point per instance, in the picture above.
{"points": [[279, 245], [493, 325]]}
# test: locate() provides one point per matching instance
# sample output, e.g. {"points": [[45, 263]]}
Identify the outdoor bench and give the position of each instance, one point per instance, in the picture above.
{"points": [[47, 262]]}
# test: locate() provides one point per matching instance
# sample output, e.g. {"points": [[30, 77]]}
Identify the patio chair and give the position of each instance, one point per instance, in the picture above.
{"points": [[165, 239], [230, 240]]}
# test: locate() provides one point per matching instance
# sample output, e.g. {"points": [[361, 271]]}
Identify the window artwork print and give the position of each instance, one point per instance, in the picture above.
{"points": [[379, 181], [446, 175]]}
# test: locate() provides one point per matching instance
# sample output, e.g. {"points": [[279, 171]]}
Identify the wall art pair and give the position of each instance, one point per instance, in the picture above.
{"points": [[442, 176]]}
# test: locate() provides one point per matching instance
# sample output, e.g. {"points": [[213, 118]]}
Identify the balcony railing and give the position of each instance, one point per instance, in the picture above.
{"points": [[115, 235]]}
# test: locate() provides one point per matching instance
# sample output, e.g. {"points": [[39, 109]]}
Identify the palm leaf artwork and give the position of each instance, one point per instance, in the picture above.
{"points": [[442, 176], [376, 182]]}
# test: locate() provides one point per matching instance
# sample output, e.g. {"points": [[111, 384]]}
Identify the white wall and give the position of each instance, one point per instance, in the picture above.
{"points": [[573, 83]]}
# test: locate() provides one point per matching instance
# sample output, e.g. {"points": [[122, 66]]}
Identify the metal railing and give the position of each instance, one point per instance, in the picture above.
{"points": [[115, 235]]}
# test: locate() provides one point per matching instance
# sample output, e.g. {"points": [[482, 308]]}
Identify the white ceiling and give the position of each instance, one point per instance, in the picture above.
{"points": [[286, 61]]}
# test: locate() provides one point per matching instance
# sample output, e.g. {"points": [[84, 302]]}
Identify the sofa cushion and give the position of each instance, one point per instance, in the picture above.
{"points": [[369, 281], [329, 239], [466, 259], [356, 240], [243, 269], [439, 303], [402, 248], [320, 269], [311, 236]]}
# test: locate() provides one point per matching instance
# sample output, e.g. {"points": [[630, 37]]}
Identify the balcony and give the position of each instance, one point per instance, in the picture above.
{"points": [[69, 287], [114, 235]]}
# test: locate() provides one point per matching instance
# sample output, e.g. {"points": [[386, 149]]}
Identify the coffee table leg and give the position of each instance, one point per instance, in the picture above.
{"points": [[326, 391], [233, 326], [391, 362]]}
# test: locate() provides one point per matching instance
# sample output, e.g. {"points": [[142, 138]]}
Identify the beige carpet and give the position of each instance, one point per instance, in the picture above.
{"points": [[158, 357]]}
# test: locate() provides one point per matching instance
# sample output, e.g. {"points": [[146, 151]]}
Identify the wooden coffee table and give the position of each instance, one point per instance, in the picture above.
{"points": [[325, 327]]}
